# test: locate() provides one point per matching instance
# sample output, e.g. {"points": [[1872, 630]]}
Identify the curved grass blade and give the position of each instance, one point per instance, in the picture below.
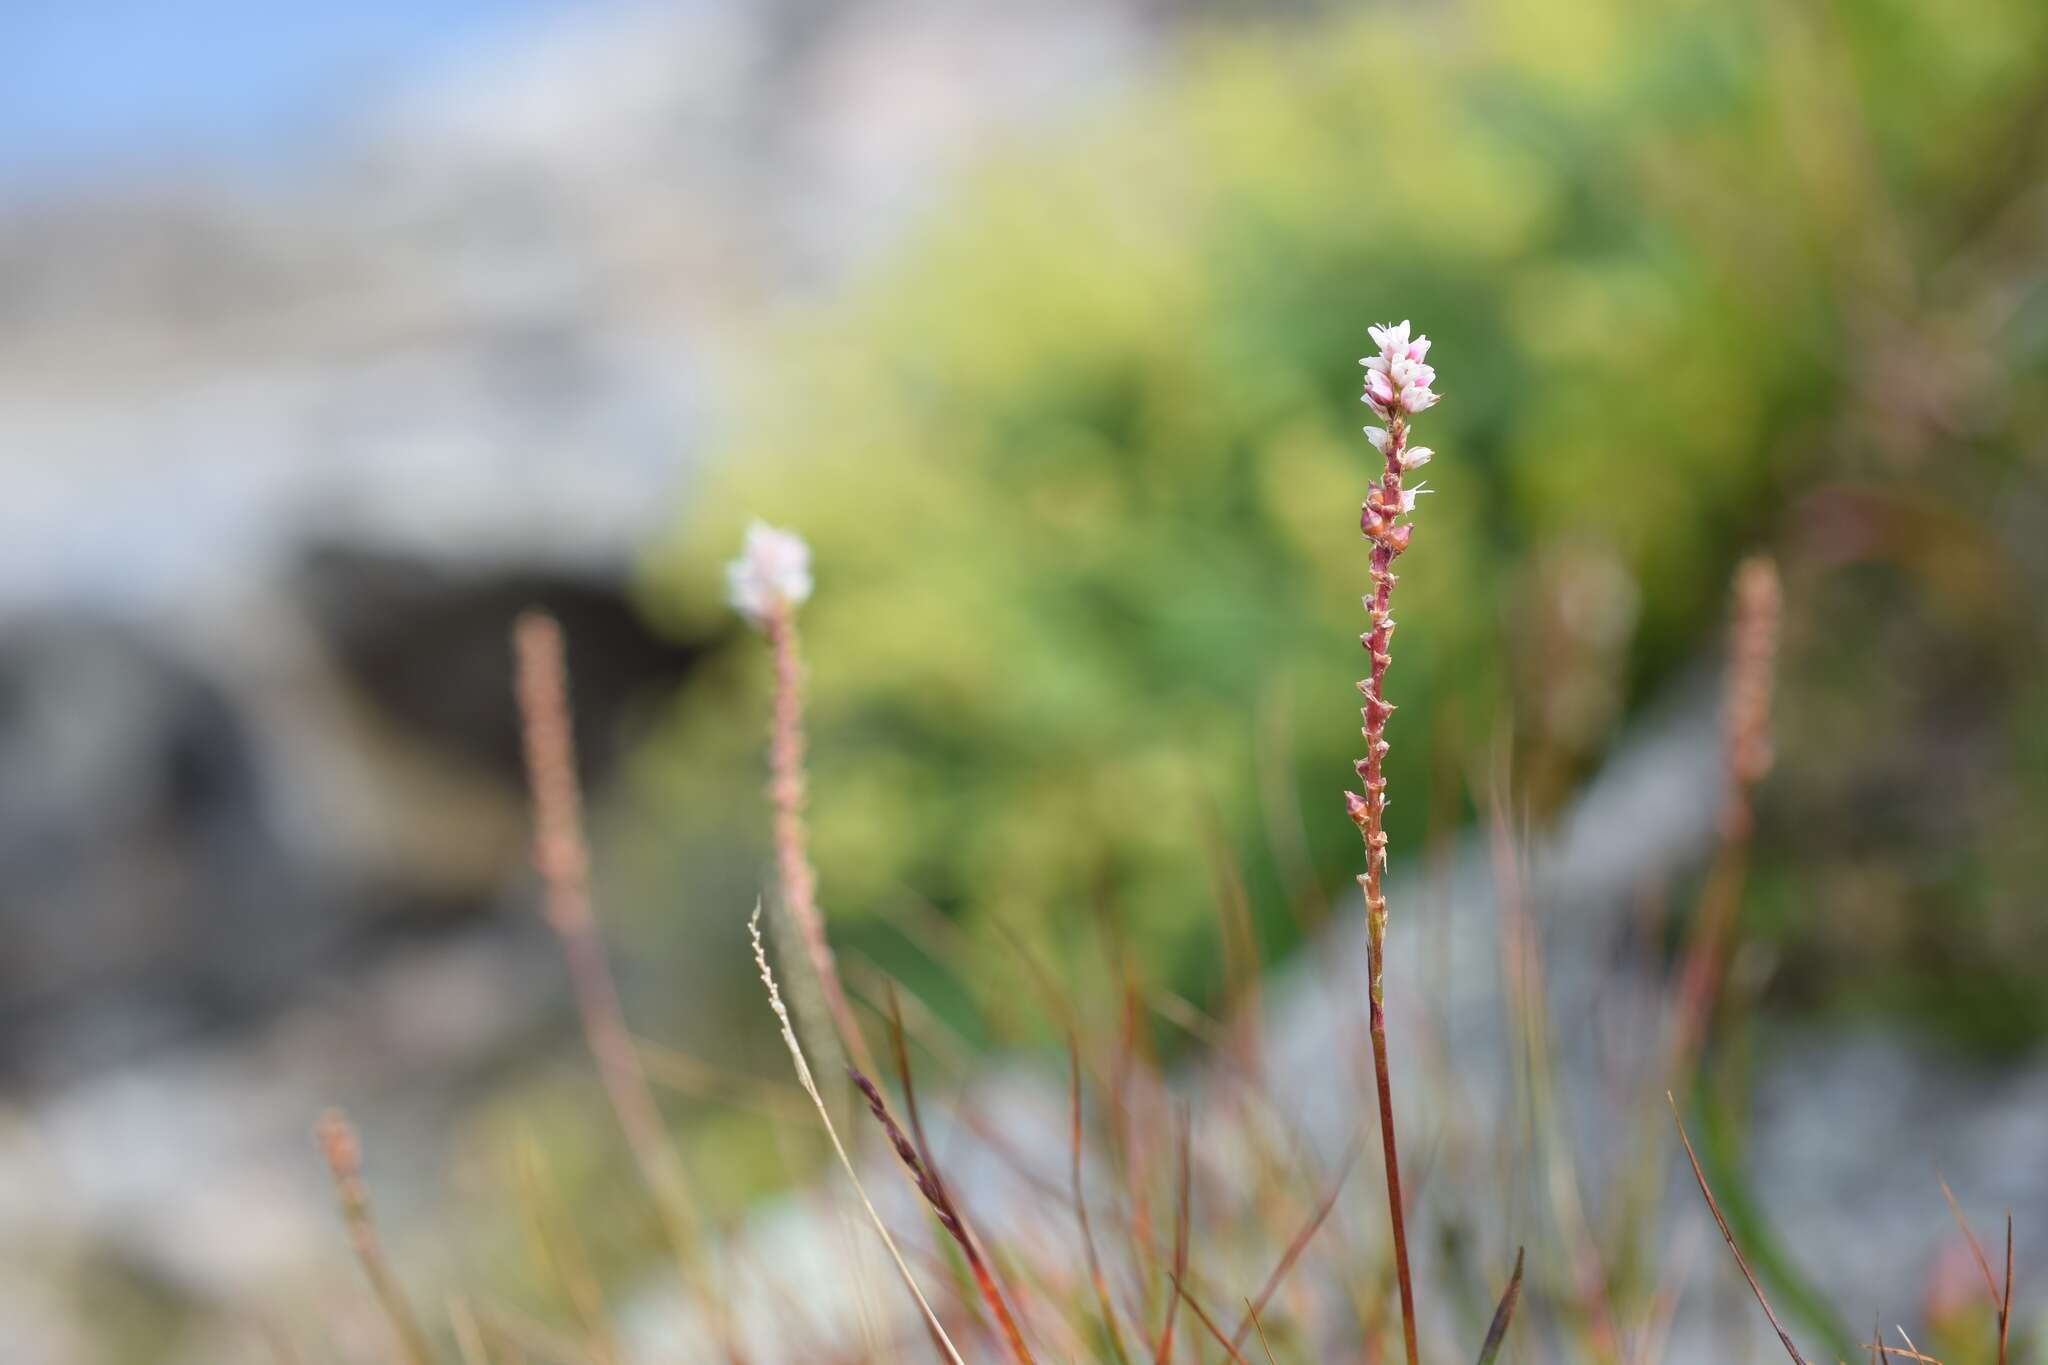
{"points": [[1503, 1315]]}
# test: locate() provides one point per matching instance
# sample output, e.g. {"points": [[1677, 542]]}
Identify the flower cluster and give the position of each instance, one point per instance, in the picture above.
{"points": [[1397, 385], [772, 573], [1397, 380]]}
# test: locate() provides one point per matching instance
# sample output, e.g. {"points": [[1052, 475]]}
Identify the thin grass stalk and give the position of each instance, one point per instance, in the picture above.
{"points": [[344, 1156], [2001, 1299], [803, 1074], [984, 1276], [2005, 1300], [1180, 1249], [1728, 1236], [554, 1235], [925, 1176], [561, 855], [1260, 1328], [1522, 970], [1293, 1253], [1746, 722], [1209, 1323], [787, 791], [1095, 1277]]}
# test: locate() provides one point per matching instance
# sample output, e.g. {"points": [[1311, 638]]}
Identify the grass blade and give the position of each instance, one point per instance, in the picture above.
{"points": [[803, 1074], [1729, 1237], [1102, 1299], [1497, 1331]]}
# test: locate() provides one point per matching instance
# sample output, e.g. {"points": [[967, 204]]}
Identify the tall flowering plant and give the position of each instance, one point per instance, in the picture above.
{"points": [[1398, 384], [766, 583]]}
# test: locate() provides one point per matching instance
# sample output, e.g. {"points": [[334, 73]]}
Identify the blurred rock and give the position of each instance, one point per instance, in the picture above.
{"points": [[424, 643], [283, 460], [142, 889], [279, 460]]}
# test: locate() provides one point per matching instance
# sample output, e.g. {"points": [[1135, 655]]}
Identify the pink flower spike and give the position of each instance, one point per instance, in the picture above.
{"points": [[773, 571]]}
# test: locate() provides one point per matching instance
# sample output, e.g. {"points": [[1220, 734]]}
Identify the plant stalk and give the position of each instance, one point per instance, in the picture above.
{"points": [[1388, 541]]}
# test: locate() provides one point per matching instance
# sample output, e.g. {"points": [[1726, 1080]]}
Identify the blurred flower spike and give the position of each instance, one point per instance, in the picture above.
{"points": [[1398, 379], [771, 574]]}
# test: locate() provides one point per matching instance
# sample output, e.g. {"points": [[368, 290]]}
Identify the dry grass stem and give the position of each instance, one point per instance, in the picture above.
{"points": [[925, 1177], [1259, 1327], [1103, 1303], [1720, 1221], [1294, 1250], [803, 1074], [1208, 1323]]}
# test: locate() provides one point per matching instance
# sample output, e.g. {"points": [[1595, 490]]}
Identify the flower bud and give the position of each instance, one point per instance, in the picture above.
{"points": [[773, 571]]}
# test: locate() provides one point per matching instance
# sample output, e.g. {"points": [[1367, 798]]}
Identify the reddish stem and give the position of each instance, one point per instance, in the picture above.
{"points": [[786, 790], [1378, 522]]}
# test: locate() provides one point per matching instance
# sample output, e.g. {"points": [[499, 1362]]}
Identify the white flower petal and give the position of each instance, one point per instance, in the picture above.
{"points": [[773, 569]]}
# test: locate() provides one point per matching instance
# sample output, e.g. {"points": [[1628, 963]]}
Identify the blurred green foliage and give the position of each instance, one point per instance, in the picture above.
{"points": [[1081, 465]]}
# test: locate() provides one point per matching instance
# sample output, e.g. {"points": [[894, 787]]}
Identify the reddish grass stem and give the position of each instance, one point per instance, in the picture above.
{"points": [[1389, 539], [343, 1153], [1746, 730], [810, 1085], [2001, 1299], [1180, 1250], [562, 857], [1209, 1323], [1720, 1221], [1293, 1253], [1095, 1276], [792, 860], [924, 1174]]}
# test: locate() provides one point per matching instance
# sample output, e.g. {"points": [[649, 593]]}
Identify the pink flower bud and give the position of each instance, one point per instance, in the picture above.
{"points": [[1355, 804], [1392, 339], [1398, 379]]}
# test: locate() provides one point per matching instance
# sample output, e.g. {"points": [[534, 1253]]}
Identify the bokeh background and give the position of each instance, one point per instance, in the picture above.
{"points": [[332, 335]]}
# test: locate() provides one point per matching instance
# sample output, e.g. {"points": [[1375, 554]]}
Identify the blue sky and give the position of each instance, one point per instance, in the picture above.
{"points": [[96, 89]]}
